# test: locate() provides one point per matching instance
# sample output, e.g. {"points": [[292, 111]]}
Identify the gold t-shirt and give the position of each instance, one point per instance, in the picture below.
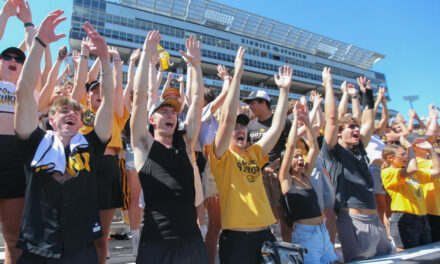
{"points": [[243, 199], [431, 190]]}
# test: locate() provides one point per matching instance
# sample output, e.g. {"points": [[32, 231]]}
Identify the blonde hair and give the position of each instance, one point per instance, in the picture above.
{"points": [[63, 102], [389, 151], [346, 120]]}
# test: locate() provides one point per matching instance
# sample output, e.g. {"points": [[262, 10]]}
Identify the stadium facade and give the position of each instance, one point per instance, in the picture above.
{"points": [[222, 29]]}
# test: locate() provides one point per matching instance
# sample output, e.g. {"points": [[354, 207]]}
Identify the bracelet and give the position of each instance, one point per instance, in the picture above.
{"points": [[82, 56], [354, 96], [40, 41], [116, 59], [29, 24]]}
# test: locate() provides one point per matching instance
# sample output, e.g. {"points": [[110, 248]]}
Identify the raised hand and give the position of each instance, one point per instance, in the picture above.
{"points": [[180, 79], [75, 57], [412, 113], [404, 142], [315, 97], [302, 113], [433, 113], [11, 7], [344, 87], [151, 41], [238, 64], [62, 53], [99, 47], [24, 13], [46, 32], [169, 76], [193, 54], [381, 93], [113, 52], [284, 80], [154, 60], [363, 83], [351, 89], [327, 76], [422, 143], [136, 54], [399, 119], [222, 72]]}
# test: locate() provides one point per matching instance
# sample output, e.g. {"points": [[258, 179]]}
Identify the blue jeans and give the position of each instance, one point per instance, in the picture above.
{"points": [[316, 240]]}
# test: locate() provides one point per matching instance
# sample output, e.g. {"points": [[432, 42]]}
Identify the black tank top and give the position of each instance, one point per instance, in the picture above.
{"points": [[167, 180], [302, 203]]}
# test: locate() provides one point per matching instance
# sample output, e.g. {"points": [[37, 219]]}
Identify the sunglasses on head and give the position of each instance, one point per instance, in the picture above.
{"points": [[353, 126], [8, 58]]}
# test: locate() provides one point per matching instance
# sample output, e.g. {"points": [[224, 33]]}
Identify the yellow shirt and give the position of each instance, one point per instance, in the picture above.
{"points": [[243, 199], [406, 193], [118, 126], [431, 190]]}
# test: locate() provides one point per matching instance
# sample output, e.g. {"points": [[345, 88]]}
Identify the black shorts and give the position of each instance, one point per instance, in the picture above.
{"points": [[174, 251], [242, 247], [12, 179], [108, 181], [409, 230], [85, 256]]}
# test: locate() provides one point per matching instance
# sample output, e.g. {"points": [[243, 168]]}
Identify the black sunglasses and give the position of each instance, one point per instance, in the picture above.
{"points": [[8, 58], [353, 126]]}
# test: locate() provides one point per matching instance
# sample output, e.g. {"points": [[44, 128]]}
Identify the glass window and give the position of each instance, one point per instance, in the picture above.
{"points": [[123, 21], [115, 34], [131, 23], [122, 35], [95, 4]]}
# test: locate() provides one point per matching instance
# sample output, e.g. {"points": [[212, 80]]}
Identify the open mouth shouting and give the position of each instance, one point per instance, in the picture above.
{"points": [[169, 124], [70, 122], [301, 164], [12, 68]]}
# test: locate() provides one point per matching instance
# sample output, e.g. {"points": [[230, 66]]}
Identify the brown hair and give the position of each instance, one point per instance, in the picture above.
{"points": [[63, 102], [346, 120], [389, 151]]}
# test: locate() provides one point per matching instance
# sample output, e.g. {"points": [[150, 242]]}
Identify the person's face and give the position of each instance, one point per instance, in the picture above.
{"points": [[400, 159], [95, 97], [257, 107], [164, 120], [298, 164], [58, 93], [66, 121], [350, 134], [239, 137], [10, 68]]}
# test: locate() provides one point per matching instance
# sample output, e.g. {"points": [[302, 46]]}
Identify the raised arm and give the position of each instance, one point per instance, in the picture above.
{"points": [[26, 111], [25, 15], [367, 125], [141, 139], [385, 115], [270, 138], [104, 115], [181, 89], [194, 116], [94, 70], [313, 143], [342, 108], [154, 81], [228, 114], [284, 175], [47, 66], [117, 80], [10, 8], [47, 91], [331, 110], [411, 168], [167, 84], [79, 84], [130, 78], [218, 101]]}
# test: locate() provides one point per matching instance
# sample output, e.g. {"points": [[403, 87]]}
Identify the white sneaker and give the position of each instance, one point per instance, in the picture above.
{"points": [[134, 245]]}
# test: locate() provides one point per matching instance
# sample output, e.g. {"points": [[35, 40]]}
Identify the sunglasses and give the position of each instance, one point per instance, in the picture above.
{"points": [[353, 126], [8, 58]]}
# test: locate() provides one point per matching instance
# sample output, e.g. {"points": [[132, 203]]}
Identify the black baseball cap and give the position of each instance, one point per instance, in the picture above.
{"points": [[242, 119], [91, 85], [16, 51]]}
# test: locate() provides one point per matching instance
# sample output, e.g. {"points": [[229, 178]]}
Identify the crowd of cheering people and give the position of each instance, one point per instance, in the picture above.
{"points": [[305, 175]]}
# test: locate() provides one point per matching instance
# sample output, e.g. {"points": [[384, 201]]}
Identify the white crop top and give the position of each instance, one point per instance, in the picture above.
{"points": [[8, 97]]}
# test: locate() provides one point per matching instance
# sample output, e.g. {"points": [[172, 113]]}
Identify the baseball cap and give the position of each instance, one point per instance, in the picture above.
{"points": [[262, 94], [413, 136], [171, 90], [242, 119], [170, 101], [16, 51], [91, 85]]}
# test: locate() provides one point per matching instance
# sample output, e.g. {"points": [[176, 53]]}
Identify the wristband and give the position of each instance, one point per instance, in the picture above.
{"points": [[29, 24], [82, 56], [116, 59], [367, 99], [354, 96], [40, 41]]}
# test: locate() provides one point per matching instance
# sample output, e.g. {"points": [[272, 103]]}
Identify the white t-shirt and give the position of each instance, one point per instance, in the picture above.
{"points": [[8, 97], [375, 148]]}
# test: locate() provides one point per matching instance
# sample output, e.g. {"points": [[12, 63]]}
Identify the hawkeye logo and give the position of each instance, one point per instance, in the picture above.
{"points": [[78, 162], [249, 168], [89, 118]]}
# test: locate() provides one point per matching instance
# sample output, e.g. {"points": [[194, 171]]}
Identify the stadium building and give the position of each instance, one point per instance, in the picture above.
{"points": [[222, 29]]}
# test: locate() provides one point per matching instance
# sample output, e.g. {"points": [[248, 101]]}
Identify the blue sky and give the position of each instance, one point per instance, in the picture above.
{"points": [[406, 31]]}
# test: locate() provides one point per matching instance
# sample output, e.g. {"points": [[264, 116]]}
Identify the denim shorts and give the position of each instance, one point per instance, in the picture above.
{"points": [[129, 159], [316, 240]]}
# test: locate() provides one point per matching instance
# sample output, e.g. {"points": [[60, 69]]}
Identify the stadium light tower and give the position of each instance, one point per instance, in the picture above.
{"points": [[411, 99]]}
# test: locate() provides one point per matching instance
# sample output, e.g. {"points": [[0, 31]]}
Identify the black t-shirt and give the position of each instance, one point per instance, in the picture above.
{"points": [[167, 180], [302, 203], [351, 179], [60, 219], [257, 128]]}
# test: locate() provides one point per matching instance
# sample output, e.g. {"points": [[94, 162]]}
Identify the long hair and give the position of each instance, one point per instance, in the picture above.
{"points": [[389, 151]]}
